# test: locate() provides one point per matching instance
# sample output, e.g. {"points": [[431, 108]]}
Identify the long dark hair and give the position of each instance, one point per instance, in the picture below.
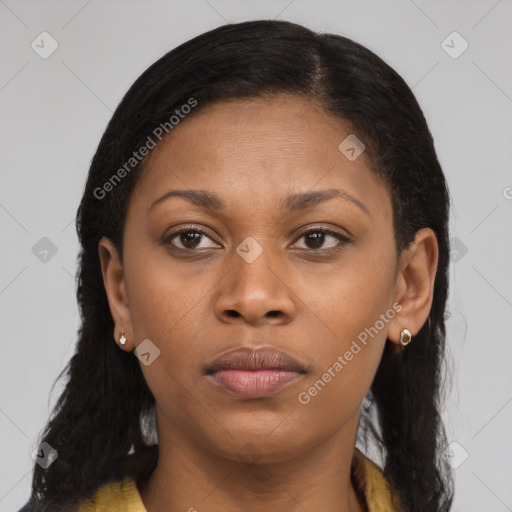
{"points": [[101, 425]]}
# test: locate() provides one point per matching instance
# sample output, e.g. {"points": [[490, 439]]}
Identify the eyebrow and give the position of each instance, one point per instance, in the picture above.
{"points": [[293, 203]]}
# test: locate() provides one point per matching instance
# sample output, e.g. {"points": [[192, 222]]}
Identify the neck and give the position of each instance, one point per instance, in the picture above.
{"points": [[190, 477]]}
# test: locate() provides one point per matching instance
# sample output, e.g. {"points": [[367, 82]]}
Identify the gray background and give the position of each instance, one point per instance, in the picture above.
{"points": [[54, 110]]}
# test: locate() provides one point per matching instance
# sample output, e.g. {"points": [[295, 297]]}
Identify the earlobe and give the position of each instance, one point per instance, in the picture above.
{"points": [[414, 288], [115, 288]]}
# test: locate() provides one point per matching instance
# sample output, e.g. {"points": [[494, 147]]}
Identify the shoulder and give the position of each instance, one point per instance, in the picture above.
{"points": [[122, 496], [370, 482]]}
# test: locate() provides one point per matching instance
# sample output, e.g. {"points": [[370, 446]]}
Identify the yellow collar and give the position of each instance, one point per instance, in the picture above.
{"points": [[371, 485]]}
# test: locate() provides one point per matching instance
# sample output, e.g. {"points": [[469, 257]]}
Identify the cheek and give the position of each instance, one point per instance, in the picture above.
{"points": [[165, 307], [353, 312], [344, 366], [163, 298]]}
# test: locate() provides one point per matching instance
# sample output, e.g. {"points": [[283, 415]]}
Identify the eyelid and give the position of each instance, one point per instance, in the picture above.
{"points": [[327, 228]]}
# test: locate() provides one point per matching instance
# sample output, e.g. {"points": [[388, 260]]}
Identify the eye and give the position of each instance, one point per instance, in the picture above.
{"points": [[315, 238], [188, 238]]}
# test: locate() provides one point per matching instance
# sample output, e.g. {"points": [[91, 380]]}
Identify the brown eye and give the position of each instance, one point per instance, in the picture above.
{"points": [[188, 239], [316, 238]]}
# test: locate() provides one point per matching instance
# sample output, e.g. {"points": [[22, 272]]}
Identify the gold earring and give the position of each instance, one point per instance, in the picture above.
{"points": [[122, 339], [405, 337]]}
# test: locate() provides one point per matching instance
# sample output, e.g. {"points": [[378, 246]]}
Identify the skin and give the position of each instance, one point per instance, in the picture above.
{"points": [[300, 295]]}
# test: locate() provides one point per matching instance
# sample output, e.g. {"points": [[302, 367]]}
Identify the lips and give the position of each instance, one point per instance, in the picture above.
{"points": [[251, 373], [246, 358]]}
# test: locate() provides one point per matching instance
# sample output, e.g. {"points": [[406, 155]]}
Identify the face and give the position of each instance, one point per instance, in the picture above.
{"points": [[295, 252]]}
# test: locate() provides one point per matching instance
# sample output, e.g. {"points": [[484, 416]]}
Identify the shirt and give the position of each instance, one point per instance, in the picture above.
{"points": [[123, 496]]}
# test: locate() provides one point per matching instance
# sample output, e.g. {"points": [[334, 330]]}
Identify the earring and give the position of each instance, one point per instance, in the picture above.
{"points": [[405, 337], [122, 339]]}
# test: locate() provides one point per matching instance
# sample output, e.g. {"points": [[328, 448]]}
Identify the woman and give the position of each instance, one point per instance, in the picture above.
{"points": [[264, 236]]}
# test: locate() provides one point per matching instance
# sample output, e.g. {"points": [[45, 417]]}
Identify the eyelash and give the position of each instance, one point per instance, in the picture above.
{"points": [[325, 231]]}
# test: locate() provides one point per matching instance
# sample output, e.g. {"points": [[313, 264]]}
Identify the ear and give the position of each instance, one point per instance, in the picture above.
{"points": [[115, 287], [414, 287]]}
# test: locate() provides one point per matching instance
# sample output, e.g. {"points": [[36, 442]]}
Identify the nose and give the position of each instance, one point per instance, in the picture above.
{"points": [[256, 293]]}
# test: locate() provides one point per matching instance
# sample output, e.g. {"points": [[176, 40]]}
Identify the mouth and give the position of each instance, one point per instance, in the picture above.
{"points": [[249, 373]]}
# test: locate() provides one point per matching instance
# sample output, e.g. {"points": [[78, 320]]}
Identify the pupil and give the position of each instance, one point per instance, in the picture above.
{"points": [[317, 238], [189, 239]]}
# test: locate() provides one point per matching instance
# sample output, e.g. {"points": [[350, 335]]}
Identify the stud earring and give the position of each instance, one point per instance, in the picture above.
{"points": [[405, 337], [122, 339]]}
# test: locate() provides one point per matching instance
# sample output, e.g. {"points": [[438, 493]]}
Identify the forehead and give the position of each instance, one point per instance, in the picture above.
{"points": [[263, 148]]}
